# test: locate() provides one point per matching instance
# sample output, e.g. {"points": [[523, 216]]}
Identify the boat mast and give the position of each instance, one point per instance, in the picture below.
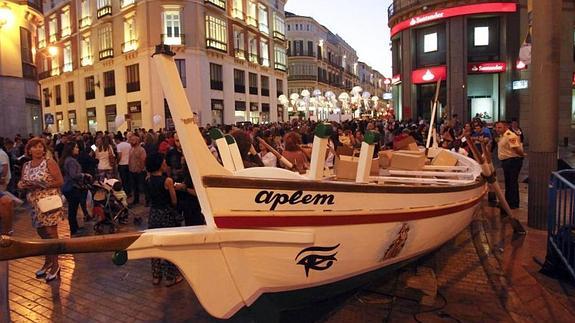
{"points": [[200, 160]]}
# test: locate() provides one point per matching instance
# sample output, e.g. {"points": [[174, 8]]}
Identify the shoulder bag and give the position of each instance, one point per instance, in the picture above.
{"points": [[49, 203]]}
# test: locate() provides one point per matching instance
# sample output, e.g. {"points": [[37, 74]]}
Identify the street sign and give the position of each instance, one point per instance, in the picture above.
{"points": [[49, 118]]}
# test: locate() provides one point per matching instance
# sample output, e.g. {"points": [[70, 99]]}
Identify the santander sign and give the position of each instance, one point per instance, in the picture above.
{"points": [[421, 19], [488, 67], [429, 74], [481, 8]]}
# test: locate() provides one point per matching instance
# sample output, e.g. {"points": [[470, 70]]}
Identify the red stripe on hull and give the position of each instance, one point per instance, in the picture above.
{"points": [[237, 222]]}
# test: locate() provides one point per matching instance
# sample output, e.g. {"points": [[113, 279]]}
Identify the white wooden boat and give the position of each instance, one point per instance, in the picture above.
{"points": [[273, 234]]}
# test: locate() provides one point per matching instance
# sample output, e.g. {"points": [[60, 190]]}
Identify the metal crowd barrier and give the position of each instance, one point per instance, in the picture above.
{"points": [[561, 221]]}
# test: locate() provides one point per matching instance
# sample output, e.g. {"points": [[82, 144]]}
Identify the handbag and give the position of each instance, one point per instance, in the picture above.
{"points": [[49, 203], [112, 158]]}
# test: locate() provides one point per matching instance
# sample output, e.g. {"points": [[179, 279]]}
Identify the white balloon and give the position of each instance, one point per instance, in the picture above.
{"points": [[157, 119], [119, 121]]}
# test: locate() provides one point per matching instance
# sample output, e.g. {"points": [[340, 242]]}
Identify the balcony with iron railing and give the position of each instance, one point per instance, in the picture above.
{"points": [[44, 75], [280, 66], [264, 61], [133, 86], [85, 22], [68, 67], [104, 11], [253, 58], [109, 91], [172, 40], [279, 35], [216, 85], [125, 3], [302, 54], [239, 53], [87, 60], [36, 5], [65, 32], [239, 88], [55, 71], [130, 45], [302, 78], [216, 44], [218, 3], [252, 21], [90, 95], [238, 14], [264, 28], [106, 53]]}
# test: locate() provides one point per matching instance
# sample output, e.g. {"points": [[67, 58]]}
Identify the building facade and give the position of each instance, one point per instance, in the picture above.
{"points": [[19, 94], [317, 58], [96, 66], [371, 80], [472, 46]]}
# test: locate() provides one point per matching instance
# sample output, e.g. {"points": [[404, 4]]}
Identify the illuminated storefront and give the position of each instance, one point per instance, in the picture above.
{"points": [[461, 46]]}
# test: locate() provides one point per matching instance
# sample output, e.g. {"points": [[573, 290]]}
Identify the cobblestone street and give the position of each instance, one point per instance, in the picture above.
{"points": [[481, 276]]}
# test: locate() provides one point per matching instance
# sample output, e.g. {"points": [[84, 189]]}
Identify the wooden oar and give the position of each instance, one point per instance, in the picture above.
{"points": [[487, 172], [13, 248], [279, 156], [433, 112]]}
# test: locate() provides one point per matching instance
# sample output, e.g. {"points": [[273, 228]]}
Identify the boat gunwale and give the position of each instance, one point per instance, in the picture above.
{"points": [[321, 220], [217, 181]]}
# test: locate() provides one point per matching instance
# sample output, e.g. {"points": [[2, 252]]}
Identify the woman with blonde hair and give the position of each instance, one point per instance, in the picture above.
{"points": [[42, 178]]}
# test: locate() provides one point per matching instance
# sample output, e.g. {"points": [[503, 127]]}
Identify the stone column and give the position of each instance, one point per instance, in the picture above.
{"points": [[457, 68], [545, 64]]}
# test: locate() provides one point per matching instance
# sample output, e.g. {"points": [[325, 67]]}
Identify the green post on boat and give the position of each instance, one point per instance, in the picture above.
{"points": [[319, 150]]}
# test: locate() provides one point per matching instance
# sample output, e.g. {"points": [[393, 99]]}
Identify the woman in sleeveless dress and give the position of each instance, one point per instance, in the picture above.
{"points": [[42, 178], [162, 213]]}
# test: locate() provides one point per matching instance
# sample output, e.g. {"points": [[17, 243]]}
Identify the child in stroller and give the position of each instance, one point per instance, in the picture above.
{"points": [[110, 206]]}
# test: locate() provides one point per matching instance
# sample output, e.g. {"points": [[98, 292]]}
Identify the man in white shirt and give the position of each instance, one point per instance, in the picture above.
{"points": [[123, 149]]}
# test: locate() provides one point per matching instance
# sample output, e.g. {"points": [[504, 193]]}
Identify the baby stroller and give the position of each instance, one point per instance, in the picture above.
{"points": [[110, 206]]}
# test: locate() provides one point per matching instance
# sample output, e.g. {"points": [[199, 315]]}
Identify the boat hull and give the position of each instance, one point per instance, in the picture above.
{"points": [[230, 269], [338, 252], [308, 304]]}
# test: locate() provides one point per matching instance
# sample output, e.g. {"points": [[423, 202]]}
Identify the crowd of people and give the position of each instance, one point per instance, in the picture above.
{"points": [[153, 161]]}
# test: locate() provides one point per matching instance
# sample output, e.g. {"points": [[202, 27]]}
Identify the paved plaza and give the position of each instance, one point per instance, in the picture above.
{"points": [[483, 275]]}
